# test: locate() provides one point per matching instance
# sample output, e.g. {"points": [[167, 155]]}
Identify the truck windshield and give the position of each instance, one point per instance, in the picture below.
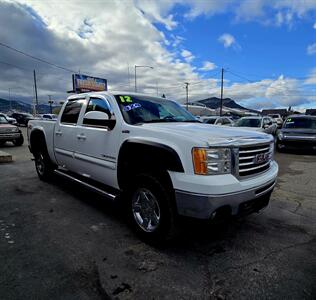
{"points": [[300, 123], [248, 122], [147, 109]]}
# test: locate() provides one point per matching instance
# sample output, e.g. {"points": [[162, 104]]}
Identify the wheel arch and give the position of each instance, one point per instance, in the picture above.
{"points": [[137, 155], [37, 139]]}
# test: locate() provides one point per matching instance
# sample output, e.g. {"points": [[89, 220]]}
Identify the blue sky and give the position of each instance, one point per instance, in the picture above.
{"points": [[267, 48], [260, 50]]}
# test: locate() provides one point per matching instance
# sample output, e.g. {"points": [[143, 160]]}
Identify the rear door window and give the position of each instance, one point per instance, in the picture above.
{"points": [[71, 112]]}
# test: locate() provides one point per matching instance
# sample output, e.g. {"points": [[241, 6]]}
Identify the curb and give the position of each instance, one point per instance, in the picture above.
{"points": [[5, 157]]}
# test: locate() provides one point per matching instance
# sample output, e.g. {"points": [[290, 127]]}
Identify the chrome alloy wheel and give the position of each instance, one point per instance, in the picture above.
{"points": [[146, 210], [39, 164]]}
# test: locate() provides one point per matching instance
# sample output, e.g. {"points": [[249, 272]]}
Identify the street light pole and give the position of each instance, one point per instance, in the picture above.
{"points": [[135, 74]]}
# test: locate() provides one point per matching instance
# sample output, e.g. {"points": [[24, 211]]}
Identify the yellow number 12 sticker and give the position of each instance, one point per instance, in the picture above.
{"points": [[126, 99]]}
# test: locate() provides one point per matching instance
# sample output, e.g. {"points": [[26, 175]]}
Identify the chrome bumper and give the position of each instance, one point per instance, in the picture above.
{"points": [[203, 206]]}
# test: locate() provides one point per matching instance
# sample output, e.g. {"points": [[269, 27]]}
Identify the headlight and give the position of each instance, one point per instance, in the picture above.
{"points": [[211, 161], [280, 135]]}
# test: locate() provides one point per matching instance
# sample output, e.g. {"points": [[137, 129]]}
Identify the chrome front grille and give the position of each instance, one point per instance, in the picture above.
{"points": [[254, 159]]}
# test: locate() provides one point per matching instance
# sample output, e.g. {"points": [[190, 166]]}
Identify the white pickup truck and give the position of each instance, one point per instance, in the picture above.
{"points": [[156, 157]]}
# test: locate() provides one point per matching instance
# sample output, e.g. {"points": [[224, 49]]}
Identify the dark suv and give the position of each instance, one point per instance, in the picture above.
{"points": [[22, 118], [298, 132]]}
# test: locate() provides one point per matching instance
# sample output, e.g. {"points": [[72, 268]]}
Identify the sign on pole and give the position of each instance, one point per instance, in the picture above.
{"points": [[84, 83]]}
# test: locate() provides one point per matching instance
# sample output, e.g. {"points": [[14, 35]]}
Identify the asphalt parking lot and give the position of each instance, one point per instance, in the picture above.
{"points": [[59, 241]]}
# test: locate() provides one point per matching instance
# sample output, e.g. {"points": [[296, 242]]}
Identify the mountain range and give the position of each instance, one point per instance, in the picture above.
{"points": [[214, 103], [21, 106]]}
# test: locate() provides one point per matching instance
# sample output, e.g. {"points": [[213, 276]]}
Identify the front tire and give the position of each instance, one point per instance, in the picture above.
{"points": [[19, 141], [151, 209]]}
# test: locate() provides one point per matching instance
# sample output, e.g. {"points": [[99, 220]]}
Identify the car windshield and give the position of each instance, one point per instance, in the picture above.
{"points": [[247, 122], [3, 120], [146, 109], [300, 123], [210, 121]]}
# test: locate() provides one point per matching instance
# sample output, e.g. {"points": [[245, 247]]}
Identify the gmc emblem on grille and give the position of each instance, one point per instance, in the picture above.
{"points": [[261, 158]]}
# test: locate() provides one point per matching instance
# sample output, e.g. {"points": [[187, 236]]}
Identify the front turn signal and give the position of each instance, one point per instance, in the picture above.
{"points": [[199, 156]]}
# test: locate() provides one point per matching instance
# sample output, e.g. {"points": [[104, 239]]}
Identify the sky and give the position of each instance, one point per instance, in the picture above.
{"points": [[267, 48]]}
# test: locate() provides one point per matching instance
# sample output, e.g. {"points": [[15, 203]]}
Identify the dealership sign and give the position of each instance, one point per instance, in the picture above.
{"points": [[84, 83]]}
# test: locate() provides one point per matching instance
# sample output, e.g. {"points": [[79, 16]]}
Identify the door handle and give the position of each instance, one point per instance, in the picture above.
{"points": [[81, 137], [58, 132]]}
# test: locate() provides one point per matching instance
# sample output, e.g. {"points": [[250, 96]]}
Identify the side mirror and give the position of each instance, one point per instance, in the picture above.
{"points": [[96, 115], [10, 121]]}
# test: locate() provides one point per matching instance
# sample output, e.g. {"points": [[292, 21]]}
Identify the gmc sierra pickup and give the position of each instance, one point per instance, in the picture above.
{"points": [[157, 157]]}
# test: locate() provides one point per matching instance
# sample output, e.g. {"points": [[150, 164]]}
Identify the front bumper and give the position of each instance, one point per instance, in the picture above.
{"points": [[240, 203], [301, 144], [9, 136]]}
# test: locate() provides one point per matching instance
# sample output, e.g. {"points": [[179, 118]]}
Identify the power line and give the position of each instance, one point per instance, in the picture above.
{"points": [[270, 87], [37, 58]]}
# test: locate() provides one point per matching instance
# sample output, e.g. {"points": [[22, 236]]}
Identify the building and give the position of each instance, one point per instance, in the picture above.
{"points": [[283, 112]]}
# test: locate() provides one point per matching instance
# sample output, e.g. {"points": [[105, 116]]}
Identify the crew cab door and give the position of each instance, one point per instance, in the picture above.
{"points": [[97, 142], [65, 133]]}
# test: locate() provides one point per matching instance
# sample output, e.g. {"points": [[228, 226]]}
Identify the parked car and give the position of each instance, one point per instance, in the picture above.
{"points": [[263, 124], [22, 118], [217, 120], [298, 132], [9, 119], [10, 133], [277, 118], [49, 117], [155, 157]]}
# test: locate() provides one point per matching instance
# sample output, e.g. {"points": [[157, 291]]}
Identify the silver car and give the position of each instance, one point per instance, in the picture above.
{"points": [[263, 124]]}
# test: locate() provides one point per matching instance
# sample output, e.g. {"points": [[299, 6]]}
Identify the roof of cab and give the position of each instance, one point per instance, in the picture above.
{"points": [[110, 93]]}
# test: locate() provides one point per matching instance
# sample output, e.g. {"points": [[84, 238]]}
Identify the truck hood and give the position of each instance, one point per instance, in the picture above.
{"points": [[213, 135], [259, 129]]}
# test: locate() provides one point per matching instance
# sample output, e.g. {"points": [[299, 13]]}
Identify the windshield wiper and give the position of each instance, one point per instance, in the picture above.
{"points": [[192, 121], [160, 121]]}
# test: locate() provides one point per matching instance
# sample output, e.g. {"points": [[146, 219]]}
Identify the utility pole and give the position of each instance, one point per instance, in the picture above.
{"points": [[50, 103], [222, 86], [187, 93], [10, 99], [35, 87]]}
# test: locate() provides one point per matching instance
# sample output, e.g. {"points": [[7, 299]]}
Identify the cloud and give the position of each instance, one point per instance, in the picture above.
{"points": [[208, 66], [229, 41], [187, 55], [82, 38], [314, 25], [311, 79], [311, 49]]}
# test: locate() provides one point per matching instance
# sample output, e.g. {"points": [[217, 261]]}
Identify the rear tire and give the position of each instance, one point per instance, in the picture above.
{"points": [[44, 166], [19, 141], [151, 208]]}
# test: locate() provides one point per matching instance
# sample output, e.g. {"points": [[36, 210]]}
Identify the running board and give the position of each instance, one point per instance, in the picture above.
{"points": [[77, 179]]}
